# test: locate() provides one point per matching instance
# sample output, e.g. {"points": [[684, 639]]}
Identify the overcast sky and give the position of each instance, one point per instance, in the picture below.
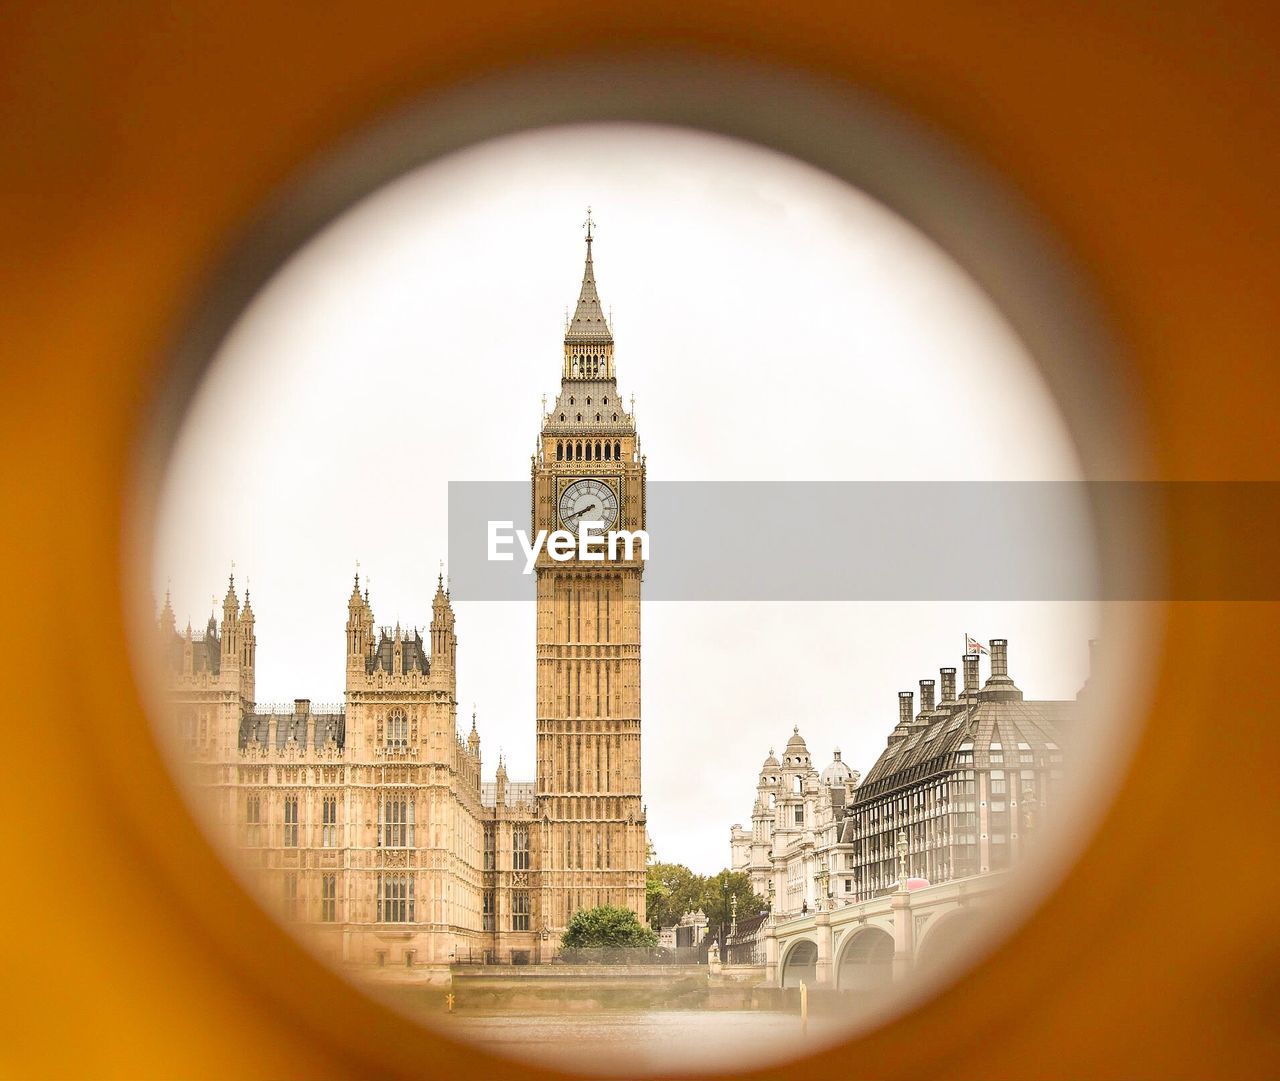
{"points": [[772, 323]]}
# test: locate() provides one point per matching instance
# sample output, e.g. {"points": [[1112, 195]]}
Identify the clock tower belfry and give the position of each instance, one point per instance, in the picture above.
{"points": [[588, 467]]}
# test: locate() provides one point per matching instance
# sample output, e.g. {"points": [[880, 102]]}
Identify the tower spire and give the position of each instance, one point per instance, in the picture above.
{"points": [[588, 325]]}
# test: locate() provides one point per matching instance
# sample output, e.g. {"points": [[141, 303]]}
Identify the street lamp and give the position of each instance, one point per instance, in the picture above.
{"points": [[902, 859]]}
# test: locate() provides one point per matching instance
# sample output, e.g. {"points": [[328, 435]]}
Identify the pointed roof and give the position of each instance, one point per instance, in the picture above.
{"points": [[588, 323]]}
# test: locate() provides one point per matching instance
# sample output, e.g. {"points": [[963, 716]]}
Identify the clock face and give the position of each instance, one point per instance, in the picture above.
{"points": [[588, 500]]}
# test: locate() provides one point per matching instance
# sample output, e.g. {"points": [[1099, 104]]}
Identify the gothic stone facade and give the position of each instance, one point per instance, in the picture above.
{"points": [[368, 822]]}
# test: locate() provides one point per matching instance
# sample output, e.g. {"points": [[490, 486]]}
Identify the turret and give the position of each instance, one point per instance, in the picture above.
{"points": [[248, 648], [359, 629], [230, 618], [444, 642], [168, 625], [500, 783]]}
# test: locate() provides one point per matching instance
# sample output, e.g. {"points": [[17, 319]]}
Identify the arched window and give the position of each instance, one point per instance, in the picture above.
{"points": [[588, 452], [608, 452], [559, 452], [617, 451], [577, 451], [571, 399], [562, 417], [398, 728], [579, 418], [597, 418]]}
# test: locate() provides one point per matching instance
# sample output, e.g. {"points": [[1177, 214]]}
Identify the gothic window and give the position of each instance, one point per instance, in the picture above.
{"points": [[561, 418], [490, 857], [253, 819], [397, 821], [560, 452], [398, 729], [329, 822], [606, 401], [291, 821], [617, 449], [291, 895], [488, 910], [520, 848], [395, 899], [608, 452], [588, 452], [615, 418], [328, 898], [577, 449], [520, 910], [571, 403], [597, 418], [588, 399], [579, 418]]}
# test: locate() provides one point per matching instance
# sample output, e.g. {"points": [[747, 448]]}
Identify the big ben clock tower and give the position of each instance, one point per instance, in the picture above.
{"points": [[589, 468]]}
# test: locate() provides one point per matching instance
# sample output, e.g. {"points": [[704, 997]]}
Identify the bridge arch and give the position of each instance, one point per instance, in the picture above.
{"points": [[800, 964], [949, 936], [865, 961]]}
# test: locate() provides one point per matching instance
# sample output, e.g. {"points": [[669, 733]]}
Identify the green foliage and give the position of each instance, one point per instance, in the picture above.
{"points": [[717, 894], [672, 890], [606, 926]]}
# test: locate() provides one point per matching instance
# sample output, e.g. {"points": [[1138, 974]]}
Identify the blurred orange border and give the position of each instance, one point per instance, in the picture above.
{"points": [[137, 141]]}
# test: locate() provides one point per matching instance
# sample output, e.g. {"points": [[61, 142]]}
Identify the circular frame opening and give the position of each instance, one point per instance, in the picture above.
{"points": [[846, 134]]}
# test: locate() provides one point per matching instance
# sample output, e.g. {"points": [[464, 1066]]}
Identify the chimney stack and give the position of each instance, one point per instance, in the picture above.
{"points": [[970, 674], [948, 684], [926, 696], [1000, 657], [905, 710]]}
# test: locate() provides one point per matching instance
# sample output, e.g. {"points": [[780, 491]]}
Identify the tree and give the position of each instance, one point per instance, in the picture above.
{"points": [[671, 891], [718, 892], [606, 926]]}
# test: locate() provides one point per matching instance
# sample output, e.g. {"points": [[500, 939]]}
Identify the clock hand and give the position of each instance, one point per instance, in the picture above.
{"points": [[579, 513]]}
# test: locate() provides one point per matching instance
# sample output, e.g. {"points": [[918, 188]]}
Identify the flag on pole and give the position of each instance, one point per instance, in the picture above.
{"points": [[972, 645]]}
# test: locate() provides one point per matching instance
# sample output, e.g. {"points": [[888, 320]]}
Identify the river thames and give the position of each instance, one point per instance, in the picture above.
{"points": [[630, 1042]]}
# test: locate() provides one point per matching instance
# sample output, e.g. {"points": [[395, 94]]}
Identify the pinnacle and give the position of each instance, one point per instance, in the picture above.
{"points": [[588, 323]]}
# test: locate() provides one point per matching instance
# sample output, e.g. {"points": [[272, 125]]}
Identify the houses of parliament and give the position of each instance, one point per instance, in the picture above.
{"points": [[369, 822]]}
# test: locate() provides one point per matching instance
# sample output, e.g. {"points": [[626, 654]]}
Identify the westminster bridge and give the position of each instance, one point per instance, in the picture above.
{"points": [[867, 945]]}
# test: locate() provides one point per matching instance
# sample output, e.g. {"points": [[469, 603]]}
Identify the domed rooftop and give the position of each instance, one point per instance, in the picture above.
{"points": [[796, 742], [838, 773], [770, 762]]}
